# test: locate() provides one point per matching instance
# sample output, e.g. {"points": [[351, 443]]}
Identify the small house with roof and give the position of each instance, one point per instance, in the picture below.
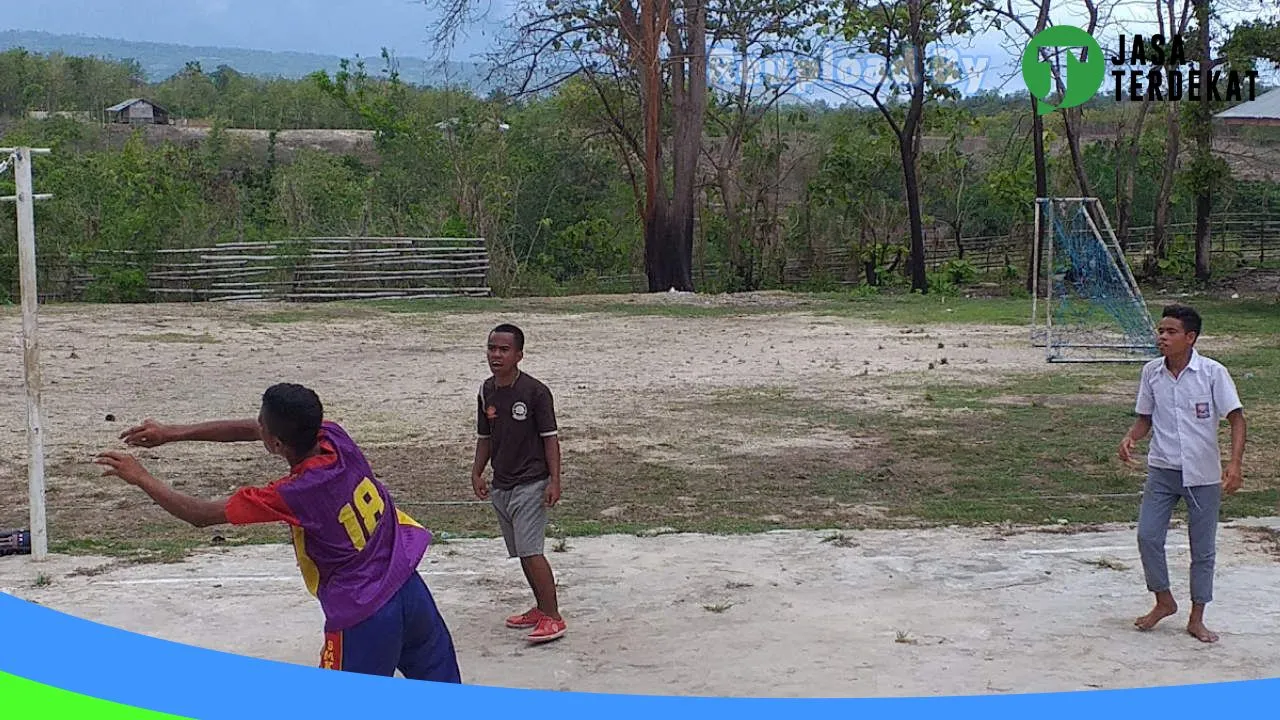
{"points": [[138, 111]]}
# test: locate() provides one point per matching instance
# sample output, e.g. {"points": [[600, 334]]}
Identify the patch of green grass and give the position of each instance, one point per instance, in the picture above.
{"points": [[759, 403], [1029, 463], [571, 306], [675, 310], [448, 306], [903, 308], [141, 550], [1256, 373], [161, 541], [1260, 318], [1073, 381], [985, 457], [285, 316], [1256, 317], [312, 312], [1076, 511], [913, 309], [1221, 317], [848, 486]]}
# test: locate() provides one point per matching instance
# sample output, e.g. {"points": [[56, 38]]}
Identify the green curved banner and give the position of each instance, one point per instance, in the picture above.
{"points": [[22, 698]]}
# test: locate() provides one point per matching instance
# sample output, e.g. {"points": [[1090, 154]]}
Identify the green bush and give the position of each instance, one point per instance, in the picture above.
{"points": [[118, 285]]}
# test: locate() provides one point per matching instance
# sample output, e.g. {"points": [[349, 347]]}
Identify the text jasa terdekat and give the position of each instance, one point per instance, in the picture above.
{"points": [[1167, 80]]}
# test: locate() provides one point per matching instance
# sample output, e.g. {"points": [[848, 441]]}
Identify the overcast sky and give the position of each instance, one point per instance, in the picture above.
{"points": [[350, 27], [333, 27]]}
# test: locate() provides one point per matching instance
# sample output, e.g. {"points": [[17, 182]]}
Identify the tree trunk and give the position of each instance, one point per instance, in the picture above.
{"points": [[911, 184], [689, 101], [653, 19], [1073, 124], [661, 263], [739, 260], [1123, 172], [909, 145], [728, 178], [1204, 204], [1037, 133], [1127, 171], [1204, 145], [1160, 229], [870, 259], [1042, 186], [1175, 24], [669, 219]]}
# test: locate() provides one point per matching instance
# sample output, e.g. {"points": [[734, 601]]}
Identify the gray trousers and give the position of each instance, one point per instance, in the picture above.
{"points": [[1160, 495]]}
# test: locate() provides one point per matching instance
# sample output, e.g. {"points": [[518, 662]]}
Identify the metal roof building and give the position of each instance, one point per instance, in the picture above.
{"points": [[1262, 110]]}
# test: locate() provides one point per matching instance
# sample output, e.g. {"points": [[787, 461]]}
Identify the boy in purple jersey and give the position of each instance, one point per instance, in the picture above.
{"points": [[358, 553]]}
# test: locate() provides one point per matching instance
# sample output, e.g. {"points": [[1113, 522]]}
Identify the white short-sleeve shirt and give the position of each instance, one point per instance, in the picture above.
{"points": [[1185, 414]]}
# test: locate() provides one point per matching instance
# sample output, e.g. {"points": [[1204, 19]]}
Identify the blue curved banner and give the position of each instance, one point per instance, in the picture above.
{"points": [[60, 651]]}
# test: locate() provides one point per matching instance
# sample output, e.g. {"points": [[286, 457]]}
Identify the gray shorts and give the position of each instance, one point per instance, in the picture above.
{"points": [[522, 515]]}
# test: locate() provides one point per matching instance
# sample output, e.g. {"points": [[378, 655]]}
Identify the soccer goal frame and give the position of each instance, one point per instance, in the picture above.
{"points": [[1086, 306], [19, 159]]}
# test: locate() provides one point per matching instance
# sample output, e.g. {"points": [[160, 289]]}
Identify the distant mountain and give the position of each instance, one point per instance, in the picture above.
{"points": [[162, 60]]}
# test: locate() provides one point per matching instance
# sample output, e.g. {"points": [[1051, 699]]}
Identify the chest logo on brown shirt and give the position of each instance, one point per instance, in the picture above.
{"points": [[519, 411]]}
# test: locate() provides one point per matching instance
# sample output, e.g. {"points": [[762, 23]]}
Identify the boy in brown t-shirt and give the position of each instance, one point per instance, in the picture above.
{"points": [[516, 431]]}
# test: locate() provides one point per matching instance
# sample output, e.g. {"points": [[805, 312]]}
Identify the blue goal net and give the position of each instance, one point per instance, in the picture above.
{"points": [[1093, 308]]}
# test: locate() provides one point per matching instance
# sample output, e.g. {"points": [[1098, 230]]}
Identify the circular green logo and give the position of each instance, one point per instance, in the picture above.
{"points": [[1082, 79]]}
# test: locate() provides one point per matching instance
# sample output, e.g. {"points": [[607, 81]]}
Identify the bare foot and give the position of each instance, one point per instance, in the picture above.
{"points": [[1158, 613], [1201, 633]]}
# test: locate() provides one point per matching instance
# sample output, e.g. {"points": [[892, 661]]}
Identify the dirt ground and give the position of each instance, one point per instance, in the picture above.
{"points": [[884, 613], [650, 406], [631, 391]]}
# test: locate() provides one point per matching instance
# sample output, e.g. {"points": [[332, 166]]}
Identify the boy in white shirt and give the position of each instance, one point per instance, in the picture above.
{"points": [[1182, 397]]}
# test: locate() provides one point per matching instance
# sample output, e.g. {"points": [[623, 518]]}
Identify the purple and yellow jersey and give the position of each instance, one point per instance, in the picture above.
{"points": [[354, 548]]}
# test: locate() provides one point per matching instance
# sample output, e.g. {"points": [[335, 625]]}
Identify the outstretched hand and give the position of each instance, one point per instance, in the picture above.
{"points": [[149, 434], [124, 466]]}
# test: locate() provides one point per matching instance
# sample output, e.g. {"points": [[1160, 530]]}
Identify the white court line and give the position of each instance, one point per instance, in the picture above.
{"points": [[193, 579], [1107, 548]]}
